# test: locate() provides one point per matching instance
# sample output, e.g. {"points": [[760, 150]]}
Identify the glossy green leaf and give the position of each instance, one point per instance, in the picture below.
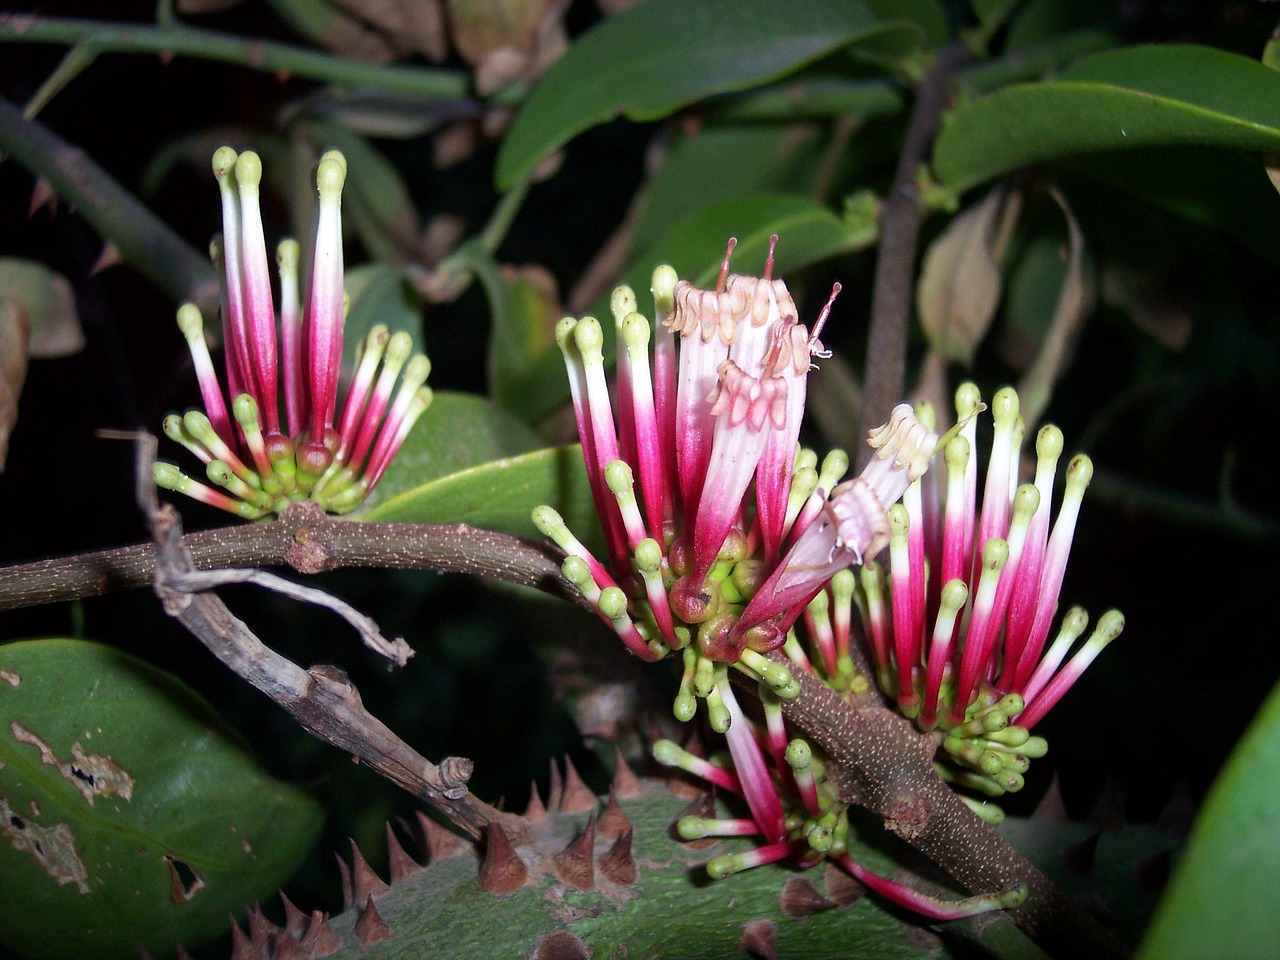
{"points": [[927, 15], [1041, 21], [457, 432], [379, 295], [1221, 901], [808, 233], [1117, 100], [501, 495], [129, 814], [720, 163], [806, 96], [470, 461], [659, 56]]}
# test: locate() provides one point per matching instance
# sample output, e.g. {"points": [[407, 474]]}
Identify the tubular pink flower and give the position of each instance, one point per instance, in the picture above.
{"points": [[980, 632], [718, 531], [335, 468], [324, 330], [753, 775], [259, 309]]}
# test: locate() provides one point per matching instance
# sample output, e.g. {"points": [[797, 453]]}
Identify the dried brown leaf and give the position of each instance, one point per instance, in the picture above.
{"points": [[960, 283], [49, 303], [14, 333], [532, 29], [410, 26]]}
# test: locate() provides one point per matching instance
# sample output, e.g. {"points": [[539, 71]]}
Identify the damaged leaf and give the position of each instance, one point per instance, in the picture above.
{"points": [[130, 813]]}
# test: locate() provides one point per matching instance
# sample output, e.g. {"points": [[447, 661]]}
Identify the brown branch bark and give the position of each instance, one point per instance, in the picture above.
{"points": [[900, 220], [305, 538], [879, 760]]}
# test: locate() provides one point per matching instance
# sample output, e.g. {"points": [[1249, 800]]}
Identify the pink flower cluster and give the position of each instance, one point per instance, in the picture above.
{"points": [[258, 459], [719, 531]]}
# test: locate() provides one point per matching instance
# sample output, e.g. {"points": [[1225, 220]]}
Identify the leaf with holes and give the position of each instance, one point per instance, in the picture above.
{"points": [[130, 815]]}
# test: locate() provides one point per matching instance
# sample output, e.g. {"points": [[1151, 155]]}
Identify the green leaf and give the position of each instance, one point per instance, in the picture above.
{"points": [[1116, 100], [656, 57], [470, 461], [1221, 900], [1041, 21], [458, 431], [927, 15], [720, 163], [501, 495], [1217, 189], [130, 814], [808, 233], [379, 295]]}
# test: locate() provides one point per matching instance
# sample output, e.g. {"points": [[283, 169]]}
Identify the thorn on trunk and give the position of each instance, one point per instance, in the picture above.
{"points": [[556, 787], [576, 796], [800, 897], [560, 945], [613, 822], [1051, 809], [242, 947], [42, 195], [625, 783], [618, 865], [1081, 857], [344, 872], [535, 811], [295, 921], [402, 865], [760, 939], [1108, 812], [321, 939], [287, 948], [109, 257], [371, 928], [574, 864], [260, 930], [502, 872], [365, 883], [439, 842]]}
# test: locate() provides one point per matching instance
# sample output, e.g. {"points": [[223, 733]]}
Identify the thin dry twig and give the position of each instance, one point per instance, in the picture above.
{"points": [[322, 699]]}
